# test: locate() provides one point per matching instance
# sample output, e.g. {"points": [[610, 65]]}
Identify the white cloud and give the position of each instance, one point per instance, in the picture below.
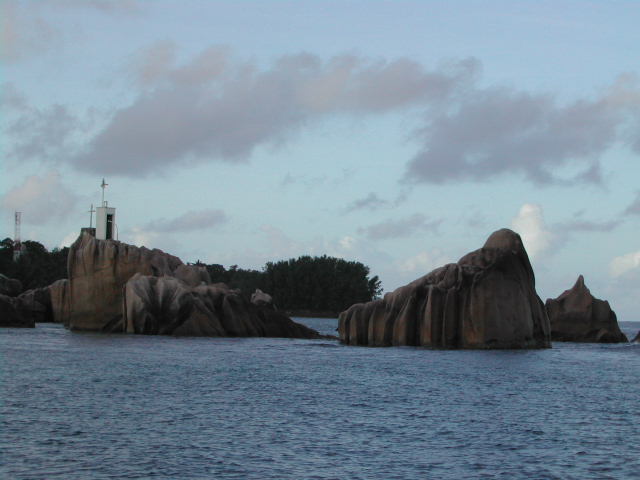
{"points": [[423, 262], [41, 199], [188, 222], [624, 263], [222, 108], [401, 227], [347, 242], [529, 223], [69, 239]]}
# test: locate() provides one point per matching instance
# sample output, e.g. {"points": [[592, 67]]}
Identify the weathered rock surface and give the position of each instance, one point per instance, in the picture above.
{"points": [[168, 306], [27, 309], [60, 306], [262, 299], [486, 300], [10, 287], [98, 271], [12, 314], [115, 287], [35, 305], [577, 316], [192, 275]]}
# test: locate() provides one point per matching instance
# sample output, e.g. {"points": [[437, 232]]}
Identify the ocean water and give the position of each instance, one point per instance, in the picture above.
{"points": [[89, 406]]}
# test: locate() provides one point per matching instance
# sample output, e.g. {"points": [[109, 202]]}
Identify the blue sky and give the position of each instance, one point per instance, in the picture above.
{"points": [[400, 134]]}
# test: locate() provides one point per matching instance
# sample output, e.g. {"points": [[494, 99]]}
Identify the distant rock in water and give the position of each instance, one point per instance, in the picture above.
{"points": [[115, 287], [486, 300], [636, 339], [576, 316], [168, 306]]}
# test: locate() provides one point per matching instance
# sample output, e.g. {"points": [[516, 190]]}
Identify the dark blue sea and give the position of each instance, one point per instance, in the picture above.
{"points": [[89, 406]]}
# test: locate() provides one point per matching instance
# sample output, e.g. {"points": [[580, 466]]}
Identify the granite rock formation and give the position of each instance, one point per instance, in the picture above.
{"points": [[35, 305], [115, 287], [60, 306], [485, 300], [10, 287], [262, 299], [577, 316], [12, 313], [98, 271], [168, 306]]}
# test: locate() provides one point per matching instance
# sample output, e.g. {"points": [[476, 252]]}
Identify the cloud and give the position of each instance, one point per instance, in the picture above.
{"points": [[40, 134], [41, 199], [222, 109], [370, 202], [403, 227], [423, 262], [498, 131], [530, 224], [634, 206], [625, 263], [216, 107], [587, 226], [25, 32], [188, 222]]}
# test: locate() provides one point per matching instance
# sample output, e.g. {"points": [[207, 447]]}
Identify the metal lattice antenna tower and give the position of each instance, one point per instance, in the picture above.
{"points": [[17, 244], [103, 185]]}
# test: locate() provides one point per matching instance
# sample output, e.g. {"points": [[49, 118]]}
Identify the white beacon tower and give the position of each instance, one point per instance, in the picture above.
{"points": [[105, 218]]}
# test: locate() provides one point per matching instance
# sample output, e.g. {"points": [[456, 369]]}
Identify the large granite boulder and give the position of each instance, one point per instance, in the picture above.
{"points": [[27, 309], [35, 305], [10, 287], [486, 300], [12, 313], [169, 306], [98, 271], [577, 316], [192, 275]]}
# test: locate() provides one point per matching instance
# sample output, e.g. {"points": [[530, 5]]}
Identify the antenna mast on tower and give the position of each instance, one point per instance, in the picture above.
{"points": [[103, 185], [17, 245]]}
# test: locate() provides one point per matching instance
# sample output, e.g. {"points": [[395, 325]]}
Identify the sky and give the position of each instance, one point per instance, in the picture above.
{"points": [[396, 133]]}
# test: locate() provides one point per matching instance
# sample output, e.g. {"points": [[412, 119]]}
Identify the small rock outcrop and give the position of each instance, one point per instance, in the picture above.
{"points": [[486, 300], [577, 316], [262, 299], [168, 306], [35, 305], [10, 287], [12, 313], [636, 339]]}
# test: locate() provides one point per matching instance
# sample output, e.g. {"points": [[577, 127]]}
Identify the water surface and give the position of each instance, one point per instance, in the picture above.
{"points": [[78, 406]]}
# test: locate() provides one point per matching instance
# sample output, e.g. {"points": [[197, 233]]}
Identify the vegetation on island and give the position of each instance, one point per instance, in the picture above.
{"points": [[313, 286], [37, 267], [306, 285]]}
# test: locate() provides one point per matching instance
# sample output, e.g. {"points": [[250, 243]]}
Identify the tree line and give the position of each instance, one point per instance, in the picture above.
{"points": [[305, 285], [319, 285], [37, 267]]}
